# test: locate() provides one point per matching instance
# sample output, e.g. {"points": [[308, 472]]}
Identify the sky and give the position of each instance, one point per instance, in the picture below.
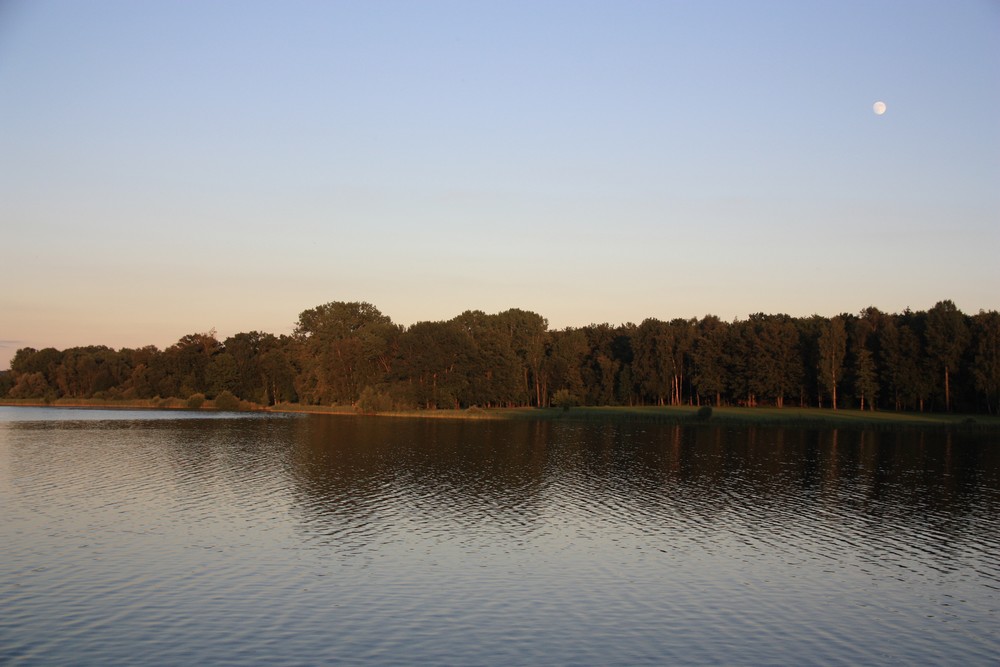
{"points": [[169, 168]]}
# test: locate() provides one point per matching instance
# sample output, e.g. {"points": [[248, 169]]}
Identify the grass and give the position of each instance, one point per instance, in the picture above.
{"points": [[736, 417], [470, 413], [767, 416], [730, 416], [118, 404], [726, 416]]}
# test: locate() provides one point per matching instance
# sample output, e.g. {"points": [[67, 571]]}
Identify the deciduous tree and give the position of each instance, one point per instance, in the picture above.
{"points": [[986, 369], [947, 337], [832, 350], [344, 347]]}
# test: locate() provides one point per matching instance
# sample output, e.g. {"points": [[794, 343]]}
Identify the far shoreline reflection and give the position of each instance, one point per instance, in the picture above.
{"points": [[371, 540]]}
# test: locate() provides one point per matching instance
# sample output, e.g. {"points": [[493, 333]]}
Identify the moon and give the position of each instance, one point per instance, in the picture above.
{"points": [[879, 108]]}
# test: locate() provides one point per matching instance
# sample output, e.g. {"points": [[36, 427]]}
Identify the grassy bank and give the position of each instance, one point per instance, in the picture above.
{"points": [[115, 404], [812, 417], [792, 417], [735, 417], [470, 413]]}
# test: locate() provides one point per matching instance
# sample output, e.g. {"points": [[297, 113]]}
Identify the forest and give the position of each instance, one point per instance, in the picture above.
{"points": [[349, 353]]}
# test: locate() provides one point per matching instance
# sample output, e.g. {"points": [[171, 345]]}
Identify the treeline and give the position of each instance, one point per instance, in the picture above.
{"points": [[350, 353]]}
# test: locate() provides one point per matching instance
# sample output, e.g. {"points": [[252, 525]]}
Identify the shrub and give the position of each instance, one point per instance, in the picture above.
{"points": [[225, 400], [195, 401], [372, 401], [704, 413], [564, 399]]}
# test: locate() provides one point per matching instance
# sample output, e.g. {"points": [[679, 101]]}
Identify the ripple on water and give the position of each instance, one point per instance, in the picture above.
{"points": [[308, 541]]}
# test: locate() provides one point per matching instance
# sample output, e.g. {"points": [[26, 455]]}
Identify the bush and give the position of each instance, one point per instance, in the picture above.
{"points": [[564, 399], [704, 413], [372, 401], [226, 401], [195, 401]]}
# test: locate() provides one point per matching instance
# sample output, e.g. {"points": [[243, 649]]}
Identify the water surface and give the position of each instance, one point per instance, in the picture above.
{"points": [[170, 538]]}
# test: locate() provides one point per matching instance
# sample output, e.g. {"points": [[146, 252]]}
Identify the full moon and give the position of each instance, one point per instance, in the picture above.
{"points": [[879, 108]]}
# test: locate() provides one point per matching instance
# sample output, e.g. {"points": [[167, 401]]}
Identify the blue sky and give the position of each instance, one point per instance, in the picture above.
{"points": [[172, 167]]}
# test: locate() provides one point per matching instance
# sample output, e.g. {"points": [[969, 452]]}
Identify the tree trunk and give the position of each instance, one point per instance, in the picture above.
{"points": [[947, 393]]}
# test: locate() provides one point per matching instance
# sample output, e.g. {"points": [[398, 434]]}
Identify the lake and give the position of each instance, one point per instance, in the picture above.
{"points": [[197, 538]]}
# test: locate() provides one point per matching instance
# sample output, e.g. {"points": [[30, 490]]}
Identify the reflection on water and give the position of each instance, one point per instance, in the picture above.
{"points": [[301, 540]]}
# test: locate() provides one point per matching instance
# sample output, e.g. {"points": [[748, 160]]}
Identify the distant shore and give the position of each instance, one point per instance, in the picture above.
{"points": [[680, 415]]}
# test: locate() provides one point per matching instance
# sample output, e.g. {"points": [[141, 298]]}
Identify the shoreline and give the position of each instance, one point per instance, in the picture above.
{"points": [[792, 417]]}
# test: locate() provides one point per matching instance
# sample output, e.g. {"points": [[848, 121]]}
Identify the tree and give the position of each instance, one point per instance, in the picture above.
{"points": [[947, 337], [278, 371], [182, 368], [85, 371], [772, 365], [565, 356], [223, 375], [141, 380], [31, 385], [919, 365], [434, 359], [626, 391], [864, 369], [661, 358], [527, 334], [708, 373], [811, 386], [245, 378], [495, 371], [343, 347], [42, 365], [34, 373], [740, 363], [832, 350], [6, 382], [937, 359], [682, 334], [604, 361], [252, 365], [986, 370], [653, 364], [865, 379], [901, 357]]}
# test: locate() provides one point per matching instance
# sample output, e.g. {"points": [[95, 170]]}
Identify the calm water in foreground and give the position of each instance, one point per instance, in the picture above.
{"points": [[164, 538]]}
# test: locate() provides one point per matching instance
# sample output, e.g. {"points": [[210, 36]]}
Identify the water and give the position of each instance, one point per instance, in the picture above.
{"points": [[170, 538]]}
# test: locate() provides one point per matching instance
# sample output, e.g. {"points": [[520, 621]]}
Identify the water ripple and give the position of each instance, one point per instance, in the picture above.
{"points": [[357, 541]]}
